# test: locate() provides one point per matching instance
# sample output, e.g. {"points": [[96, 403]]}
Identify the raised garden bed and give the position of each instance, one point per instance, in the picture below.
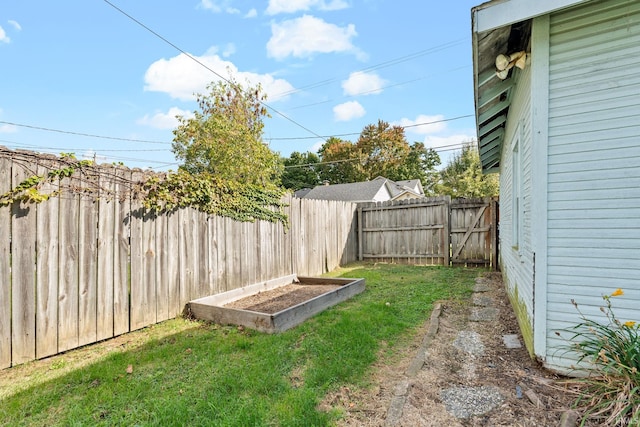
{"points": [[275, 305]]}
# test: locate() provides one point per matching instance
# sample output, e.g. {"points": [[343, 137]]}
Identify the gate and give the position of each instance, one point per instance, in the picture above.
{"points": [[473, 230], [434, 231]]}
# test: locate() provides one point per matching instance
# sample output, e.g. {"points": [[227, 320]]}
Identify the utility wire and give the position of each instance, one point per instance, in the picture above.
{"points": [[375, 90], [168, 143], [439, 149], [82, 134], [378, 66], [207, 67], [67, 149], [358, 133]]}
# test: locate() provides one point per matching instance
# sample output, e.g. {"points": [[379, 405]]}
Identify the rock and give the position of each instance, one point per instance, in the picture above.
{"points": [[465, 402]]}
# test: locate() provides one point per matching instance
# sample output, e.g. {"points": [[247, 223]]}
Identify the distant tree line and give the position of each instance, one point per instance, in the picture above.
{"points": [[382, 150], [222, 143]]}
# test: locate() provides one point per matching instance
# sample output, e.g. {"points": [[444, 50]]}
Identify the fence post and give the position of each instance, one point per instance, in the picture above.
{"points": [[494, 233], [447, 231], [360, 243]]}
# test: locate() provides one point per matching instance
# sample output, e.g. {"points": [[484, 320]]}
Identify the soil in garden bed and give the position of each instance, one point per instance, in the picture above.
{"points": [[278, 299]]}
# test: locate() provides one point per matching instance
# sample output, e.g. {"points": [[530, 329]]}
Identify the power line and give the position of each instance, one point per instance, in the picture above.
{"points": [[378, 66], [207, 67], [378, 89], [89, 135], [40, 147], [358, 133], [168, 143], [441, 148]]}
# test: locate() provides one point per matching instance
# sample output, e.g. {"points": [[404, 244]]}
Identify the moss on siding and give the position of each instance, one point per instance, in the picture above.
{"points": [[520, 309]]}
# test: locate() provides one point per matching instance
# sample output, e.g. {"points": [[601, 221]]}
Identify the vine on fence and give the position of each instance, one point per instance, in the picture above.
{"points": [[167, 192], [209, 194], [28, 191]]}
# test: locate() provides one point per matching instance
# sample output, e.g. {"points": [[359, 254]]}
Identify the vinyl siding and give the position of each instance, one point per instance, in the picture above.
{"points": [[382, 195], [517, 260], [593, 205]]}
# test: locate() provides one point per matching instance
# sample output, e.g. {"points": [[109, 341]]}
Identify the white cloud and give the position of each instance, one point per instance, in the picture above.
{"points": [[348, 111], [303, 36], [15, 24], [290, 6], [229, 50], [436, 124], [4, 38], [251, 14], [360, 83], [166, 120], [180, 77], [8, 128], [219, 6], [317, 146]]}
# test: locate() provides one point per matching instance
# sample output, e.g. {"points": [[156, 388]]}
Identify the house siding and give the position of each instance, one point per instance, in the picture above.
{"points": [[382, 195], [517, 260], [593, 205]]}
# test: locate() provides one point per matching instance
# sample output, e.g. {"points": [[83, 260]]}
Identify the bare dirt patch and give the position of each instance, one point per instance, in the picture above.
{"points": [[278, 299], [511, 371]]}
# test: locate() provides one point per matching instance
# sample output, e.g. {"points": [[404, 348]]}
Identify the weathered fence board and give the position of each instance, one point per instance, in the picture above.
{"points": [[5, 267], [471, 231], [221, 255], [122, 248], [428, 231], [68, 283], [23, 261], [106, 254], [171, 273], [202, 260], [47, 271], [162, 258], [87, 274]]}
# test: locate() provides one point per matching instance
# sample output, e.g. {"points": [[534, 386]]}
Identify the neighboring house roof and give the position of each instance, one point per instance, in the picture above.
{"points": [[377, 189], [413, 185], [301, 193], [500, 27]]}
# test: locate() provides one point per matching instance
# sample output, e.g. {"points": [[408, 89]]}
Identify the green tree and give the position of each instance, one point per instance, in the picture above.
{"points": [[300, 171], [463, 177], [421, 163], [340, 162], [381, 150], [224, 138]]}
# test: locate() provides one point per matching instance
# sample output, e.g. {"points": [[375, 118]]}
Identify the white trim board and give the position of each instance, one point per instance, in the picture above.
{"points": [[539, 160], [496, 14]]}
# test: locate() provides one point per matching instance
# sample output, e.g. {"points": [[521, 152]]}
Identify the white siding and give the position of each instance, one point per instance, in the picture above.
{"points": [[593, 163], [382, 195], [517, 260]]}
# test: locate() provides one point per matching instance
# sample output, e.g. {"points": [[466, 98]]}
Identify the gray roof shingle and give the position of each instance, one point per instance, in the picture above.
{"points": [[352, 192]]}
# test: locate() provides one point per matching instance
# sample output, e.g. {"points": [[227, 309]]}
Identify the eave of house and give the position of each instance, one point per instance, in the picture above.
{"points": [[500, 27]]}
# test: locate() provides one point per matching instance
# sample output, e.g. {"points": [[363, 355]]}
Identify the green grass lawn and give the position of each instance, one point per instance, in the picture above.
{"points": [[214, 375]]}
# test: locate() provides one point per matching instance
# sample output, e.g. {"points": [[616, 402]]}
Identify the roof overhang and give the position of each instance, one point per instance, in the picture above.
{"points": [[500, 27]]}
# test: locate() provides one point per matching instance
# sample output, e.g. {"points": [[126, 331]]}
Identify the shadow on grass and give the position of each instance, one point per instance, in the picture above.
{"points": [[229, 376]]}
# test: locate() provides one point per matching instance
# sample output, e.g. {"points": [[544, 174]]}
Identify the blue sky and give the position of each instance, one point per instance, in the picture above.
{"points": [[83, 77]]}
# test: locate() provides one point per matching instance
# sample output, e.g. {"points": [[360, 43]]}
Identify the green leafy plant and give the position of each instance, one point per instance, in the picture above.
{"points": [[161, 192], [28, 191], [210, 194], [610, 351]]}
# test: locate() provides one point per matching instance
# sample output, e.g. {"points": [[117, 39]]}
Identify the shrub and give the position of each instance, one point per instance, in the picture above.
{"points": [[610, 351]]}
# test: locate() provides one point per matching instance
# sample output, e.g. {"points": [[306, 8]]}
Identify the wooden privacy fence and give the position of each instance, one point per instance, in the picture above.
{"points": [[429, 231], [80, 268]]}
